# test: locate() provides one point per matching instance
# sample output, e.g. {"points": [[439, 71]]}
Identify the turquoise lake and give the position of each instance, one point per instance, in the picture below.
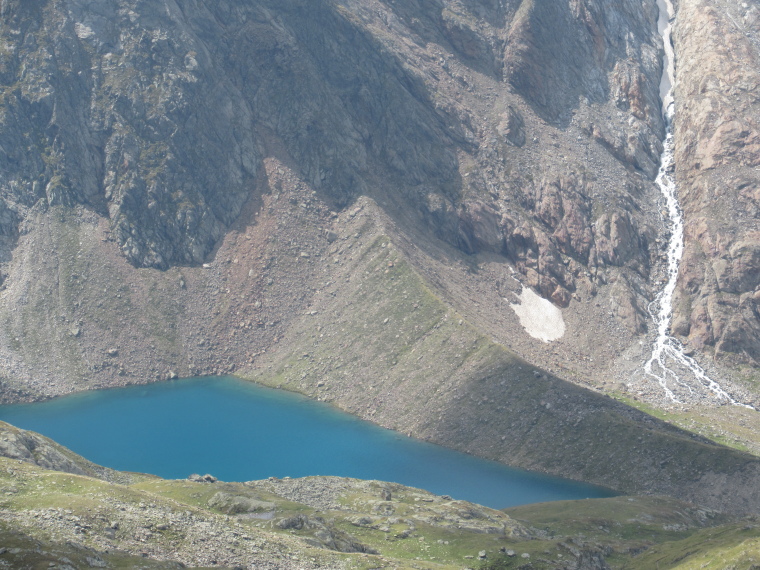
{"points": [[238, 431]]}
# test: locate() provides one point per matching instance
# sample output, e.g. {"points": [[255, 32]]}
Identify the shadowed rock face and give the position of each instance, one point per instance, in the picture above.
{"points": [[155, 116], [603, 53]]}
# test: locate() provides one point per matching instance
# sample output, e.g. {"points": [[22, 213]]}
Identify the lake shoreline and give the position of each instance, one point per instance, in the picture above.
{"points": [[231, 427]]}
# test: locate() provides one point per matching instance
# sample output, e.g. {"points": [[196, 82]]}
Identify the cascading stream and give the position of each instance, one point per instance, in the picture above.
{"points": [[667, 352]]}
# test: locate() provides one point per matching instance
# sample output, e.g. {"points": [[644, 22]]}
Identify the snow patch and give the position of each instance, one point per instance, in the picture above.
{"points": [[540, 318], [83, 32]]}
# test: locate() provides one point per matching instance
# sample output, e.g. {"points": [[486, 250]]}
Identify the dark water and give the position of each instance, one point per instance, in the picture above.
{"points": [[238, 431]]}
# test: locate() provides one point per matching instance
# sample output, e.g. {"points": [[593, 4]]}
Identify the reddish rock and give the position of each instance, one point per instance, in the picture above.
{"points": [[616, 238], [717, 136]]}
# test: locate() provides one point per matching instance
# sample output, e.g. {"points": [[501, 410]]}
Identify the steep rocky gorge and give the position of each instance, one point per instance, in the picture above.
{"points": [[343, 198]]}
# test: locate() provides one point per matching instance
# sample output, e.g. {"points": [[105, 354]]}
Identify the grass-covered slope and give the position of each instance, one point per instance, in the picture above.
{"points": [[640, 533], [735, 546]]}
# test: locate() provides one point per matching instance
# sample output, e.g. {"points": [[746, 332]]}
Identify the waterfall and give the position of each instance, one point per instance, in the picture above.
{"points": [[667, 352]]}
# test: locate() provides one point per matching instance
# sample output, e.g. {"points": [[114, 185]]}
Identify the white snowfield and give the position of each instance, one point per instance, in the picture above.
{"points": [[539, 317]]}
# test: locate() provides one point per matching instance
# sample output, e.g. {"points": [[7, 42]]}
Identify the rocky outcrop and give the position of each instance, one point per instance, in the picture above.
{"points": [[512, 127], [564, 78], [31, 447], [236, 503], [717, 152]]}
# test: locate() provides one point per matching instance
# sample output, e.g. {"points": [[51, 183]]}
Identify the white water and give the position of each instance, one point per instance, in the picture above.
{"points": [[667, 352]]}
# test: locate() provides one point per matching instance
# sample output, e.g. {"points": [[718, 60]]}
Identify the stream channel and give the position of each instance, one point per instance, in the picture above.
{"points": [[679, 375], [238, 431]]}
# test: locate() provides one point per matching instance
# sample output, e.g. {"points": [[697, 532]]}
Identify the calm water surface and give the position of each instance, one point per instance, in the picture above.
{"points": [[238, 431]]}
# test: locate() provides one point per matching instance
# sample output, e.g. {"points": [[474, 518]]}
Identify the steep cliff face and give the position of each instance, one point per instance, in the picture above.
{"points": [[153, 115], [717, 160]]}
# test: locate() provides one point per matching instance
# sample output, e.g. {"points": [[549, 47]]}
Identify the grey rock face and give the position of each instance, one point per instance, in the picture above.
{"points": [[104, 113], [155, 116], [604, 51]]}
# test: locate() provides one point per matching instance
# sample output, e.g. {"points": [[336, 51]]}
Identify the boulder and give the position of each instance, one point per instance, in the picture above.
{"points": [[237, 504], [512, 127]]}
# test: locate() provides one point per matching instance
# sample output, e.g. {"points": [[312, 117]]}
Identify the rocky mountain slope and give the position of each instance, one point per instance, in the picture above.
{"points": [[477, 126], [355, 199]]}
